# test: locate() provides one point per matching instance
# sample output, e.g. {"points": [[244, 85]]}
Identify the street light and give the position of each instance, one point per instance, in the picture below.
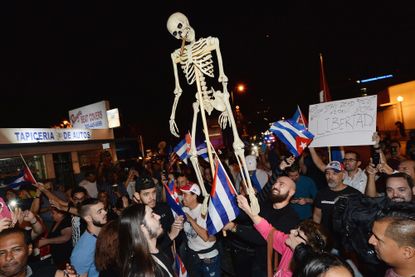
{"points": [[400, 100], [240, 89]]}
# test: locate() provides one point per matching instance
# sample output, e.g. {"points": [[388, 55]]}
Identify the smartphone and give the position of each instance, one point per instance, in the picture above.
{"points": [[115, 187], [4, 209], [375, 158]]}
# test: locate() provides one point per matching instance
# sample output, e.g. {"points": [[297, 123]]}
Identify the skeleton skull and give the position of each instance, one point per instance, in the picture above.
{"points": [[178, 25]]}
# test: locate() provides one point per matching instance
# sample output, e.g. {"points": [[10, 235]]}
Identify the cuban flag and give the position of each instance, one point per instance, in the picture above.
{"points": [[223, 207], [182, 149], [299, 117], [179, 267], [295, 136], [202, 151], [25, 177], [173, 199]]}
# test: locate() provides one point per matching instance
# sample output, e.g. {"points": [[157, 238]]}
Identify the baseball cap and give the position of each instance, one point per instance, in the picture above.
{"points": [[250, 162], [191, 188], [335, 165]]}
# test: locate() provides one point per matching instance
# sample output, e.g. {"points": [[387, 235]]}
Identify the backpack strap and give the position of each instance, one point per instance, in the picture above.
{"points": [[272, 264]]}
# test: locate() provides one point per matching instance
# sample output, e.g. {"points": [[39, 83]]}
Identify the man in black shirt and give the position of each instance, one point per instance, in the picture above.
{"points": [[146, 193], [247, 245], [325, 198]]}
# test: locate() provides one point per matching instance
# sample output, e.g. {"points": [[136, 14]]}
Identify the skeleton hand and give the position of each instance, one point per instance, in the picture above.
{"points": [[173, 128], [224, 119]]}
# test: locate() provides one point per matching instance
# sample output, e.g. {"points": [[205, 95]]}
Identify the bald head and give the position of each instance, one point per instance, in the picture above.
{"points": [[282, 190]]}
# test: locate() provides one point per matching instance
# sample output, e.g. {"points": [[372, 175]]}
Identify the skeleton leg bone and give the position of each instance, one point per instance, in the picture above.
{"points": [[194, 159]]}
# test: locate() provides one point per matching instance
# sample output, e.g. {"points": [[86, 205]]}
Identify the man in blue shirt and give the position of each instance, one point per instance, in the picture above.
{"points": [[83, 255], [305, 193]]}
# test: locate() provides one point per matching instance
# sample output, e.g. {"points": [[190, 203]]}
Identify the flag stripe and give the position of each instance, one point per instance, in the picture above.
{"points": [[222, 206]]}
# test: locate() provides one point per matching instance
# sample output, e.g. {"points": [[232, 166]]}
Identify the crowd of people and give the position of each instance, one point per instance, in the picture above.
{"points": [[116, 221]]}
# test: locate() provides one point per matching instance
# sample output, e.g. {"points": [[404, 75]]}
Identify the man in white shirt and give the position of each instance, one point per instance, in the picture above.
{"points": [[355, 177], [201, 254], [90, 184]]}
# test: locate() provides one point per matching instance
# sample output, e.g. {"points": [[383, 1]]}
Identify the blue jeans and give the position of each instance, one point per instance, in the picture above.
{"points": [[197, 267], [211, 267]]}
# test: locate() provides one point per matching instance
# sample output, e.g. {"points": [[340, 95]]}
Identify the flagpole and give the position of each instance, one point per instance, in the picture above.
{"points": [[323, 77], [301, 115], [30, 172]]}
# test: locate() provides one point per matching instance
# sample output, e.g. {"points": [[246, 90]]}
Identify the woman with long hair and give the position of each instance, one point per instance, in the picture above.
{"points": [[138, 231], [107, 261]]}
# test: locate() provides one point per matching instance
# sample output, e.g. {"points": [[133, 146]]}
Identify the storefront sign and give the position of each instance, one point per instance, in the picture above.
{"points": [[92, 116], [38, 135]]}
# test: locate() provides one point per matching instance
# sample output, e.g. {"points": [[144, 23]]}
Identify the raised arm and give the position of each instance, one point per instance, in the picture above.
{"points": [[316, 159]]}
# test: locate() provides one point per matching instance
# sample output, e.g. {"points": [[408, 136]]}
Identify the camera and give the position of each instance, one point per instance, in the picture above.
{"points": [[375, 158]]}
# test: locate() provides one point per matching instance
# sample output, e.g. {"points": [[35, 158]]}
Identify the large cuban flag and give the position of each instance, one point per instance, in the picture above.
{"points": [[294, 135], [223, 207]]}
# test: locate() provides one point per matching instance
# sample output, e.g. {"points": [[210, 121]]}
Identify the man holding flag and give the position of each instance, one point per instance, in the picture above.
{"points": [[248, 247], [201, 255]]}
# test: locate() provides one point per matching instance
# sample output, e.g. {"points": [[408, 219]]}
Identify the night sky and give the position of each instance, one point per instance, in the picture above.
{"points": [[59, 55]]}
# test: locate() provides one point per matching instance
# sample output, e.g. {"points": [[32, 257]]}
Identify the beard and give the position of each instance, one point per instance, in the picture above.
{"points": [[98, 224], [331, 184], [277, 198], [152, 233]]}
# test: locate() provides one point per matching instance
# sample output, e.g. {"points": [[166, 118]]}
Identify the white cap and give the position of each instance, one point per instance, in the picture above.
{"points": [[191, 188]]}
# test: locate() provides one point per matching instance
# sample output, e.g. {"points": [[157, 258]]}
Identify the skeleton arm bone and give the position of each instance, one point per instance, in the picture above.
{"points": [[177, 93], [222, 77]]}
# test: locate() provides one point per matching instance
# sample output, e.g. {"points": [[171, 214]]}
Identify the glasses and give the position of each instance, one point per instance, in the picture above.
{"points": [[297, 234], [349, 160]]}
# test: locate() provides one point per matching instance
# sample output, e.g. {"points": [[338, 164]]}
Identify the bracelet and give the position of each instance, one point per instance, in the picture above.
{"points": [[67, 210], [33, 222], [376, 148]]}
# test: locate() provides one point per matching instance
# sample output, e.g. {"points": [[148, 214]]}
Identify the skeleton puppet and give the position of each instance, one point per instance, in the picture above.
{"points": [[195, 59]]}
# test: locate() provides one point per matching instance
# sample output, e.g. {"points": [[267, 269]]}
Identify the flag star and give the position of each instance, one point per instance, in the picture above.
{"points": [[303, 145]]}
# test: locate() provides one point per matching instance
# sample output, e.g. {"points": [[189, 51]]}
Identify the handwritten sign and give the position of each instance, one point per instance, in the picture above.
{"points": [[345, 122]]}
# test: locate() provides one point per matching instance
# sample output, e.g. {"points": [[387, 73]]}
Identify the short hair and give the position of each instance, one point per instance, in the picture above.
{"points": [[401, 219], [295, 167], [144, 183], [16, 230], [404, 176], [77, 190], [86, 205], [353, 152]]}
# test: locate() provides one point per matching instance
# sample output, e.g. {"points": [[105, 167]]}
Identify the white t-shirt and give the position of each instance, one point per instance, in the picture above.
{"points": [[91, 188], [194, 241], [358, 182]]}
